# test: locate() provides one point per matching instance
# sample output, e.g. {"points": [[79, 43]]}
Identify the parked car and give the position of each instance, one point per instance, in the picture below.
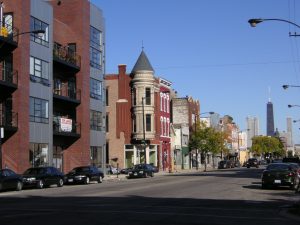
{"points": [[291, 160], [141, 170], [225, 164], [9, 180], [154, 168], [41, 177], [237, 163], [281, 174], [84, 174], [252, 162], [126, 170]]}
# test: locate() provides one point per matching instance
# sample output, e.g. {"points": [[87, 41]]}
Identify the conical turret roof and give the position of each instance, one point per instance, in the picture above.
{"points": [[142, 63]]}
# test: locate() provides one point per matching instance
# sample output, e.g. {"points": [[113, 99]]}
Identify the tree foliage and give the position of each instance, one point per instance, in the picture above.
{"points": [[263, 145], [207, 139]]}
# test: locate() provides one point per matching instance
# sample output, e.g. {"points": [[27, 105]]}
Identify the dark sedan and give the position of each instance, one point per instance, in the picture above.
{"points": [[141, 170], [280, 174], [41, 177], [9, 180], [84, 174]]}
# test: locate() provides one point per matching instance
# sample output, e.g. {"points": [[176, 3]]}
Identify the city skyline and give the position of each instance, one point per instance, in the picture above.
{"points": [[219, 59]]}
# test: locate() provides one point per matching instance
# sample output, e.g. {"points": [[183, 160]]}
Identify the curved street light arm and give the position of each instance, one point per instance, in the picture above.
{"points": [[286, 86], [254, 22]]}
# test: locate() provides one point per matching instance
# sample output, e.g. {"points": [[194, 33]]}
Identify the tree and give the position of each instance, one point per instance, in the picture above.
{"points": [[207, 139], [265, 145]]}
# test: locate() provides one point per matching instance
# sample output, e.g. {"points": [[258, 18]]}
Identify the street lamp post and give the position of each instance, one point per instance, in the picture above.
{"points": [[254, 22], [144, 132]]}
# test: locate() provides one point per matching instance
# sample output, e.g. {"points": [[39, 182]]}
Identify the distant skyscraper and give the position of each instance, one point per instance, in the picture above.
{"points": [[270, 119], [252, 129], [289, 131]]}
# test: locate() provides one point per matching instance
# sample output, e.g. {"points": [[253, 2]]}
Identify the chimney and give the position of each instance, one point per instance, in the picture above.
{"points": [[122, 70]]}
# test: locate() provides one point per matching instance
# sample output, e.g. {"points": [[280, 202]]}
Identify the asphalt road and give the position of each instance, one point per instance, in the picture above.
{"points": [[216, 197]]}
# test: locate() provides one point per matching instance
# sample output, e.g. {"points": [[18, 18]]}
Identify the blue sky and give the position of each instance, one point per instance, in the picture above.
{"points": [[209, 51]]}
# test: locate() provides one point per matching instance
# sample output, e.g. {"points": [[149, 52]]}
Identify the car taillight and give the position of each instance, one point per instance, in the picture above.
{"points": [[290, 175]]}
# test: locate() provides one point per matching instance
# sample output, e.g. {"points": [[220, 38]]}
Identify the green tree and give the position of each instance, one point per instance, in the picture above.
{"points": [[207, 139], [265, 145]]}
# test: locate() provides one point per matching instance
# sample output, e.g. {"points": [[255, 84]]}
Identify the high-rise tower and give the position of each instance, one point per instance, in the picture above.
{"points": [[270, 119]]}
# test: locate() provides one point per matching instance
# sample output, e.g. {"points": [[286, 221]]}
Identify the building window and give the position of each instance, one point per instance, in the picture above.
{"points": [[39, 110], [161, 126], [95, 48], [96, 156], [95, 120], [148, 96], [95, 89], [58, 157], [148, 122], [165, 126], [39, 70], [134, 124], [134, 96], [107, 122], [38, 154], [36, 24], [168, 103], [165, 103], [107, 96], [161, 102], [168, 127]]}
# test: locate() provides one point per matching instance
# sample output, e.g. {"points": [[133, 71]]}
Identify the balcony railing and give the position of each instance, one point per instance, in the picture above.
{"points": [[65, 54], [8, 119], [68, 128], [65, 92], [9, 76]]}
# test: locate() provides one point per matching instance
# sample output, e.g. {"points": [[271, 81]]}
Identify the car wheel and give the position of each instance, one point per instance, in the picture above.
{"points": [[60, 183], [263, 186], [40, 184], [19, 186], [1, 187], [100, 180], [87, 180]]}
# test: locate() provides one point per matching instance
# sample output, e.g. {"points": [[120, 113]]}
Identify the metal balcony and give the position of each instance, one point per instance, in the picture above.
{"points": [[65, 58], [8, 81], [9, 121], [8, 39]]}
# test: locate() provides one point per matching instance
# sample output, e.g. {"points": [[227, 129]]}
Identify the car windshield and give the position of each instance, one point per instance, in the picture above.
{"points": [[278, 167], [35, 171]]}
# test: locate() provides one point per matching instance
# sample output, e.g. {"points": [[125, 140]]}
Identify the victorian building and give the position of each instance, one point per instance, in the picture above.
{"points": [[138, 116]]}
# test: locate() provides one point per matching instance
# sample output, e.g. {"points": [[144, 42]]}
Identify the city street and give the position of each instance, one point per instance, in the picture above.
{"points": [[215, 197]]}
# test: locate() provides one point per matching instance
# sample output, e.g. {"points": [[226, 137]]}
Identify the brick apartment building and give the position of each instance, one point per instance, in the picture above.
{"points": [[138, 109], [51, 99]]}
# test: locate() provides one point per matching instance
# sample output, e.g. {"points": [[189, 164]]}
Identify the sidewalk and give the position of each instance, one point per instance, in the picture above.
{"points": [[115, 177]]}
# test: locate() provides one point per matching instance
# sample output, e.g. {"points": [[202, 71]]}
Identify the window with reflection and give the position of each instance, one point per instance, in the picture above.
{"points": [[36, 24]]}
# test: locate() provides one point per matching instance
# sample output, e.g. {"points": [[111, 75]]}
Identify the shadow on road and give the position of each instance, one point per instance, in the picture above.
{"points": [[136, 210]]}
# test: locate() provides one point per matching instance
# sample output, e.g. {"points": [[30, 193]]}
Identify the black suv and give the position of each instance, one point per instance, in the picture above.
{"points": [[84, 174], [252, 162], [43, 176]]}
